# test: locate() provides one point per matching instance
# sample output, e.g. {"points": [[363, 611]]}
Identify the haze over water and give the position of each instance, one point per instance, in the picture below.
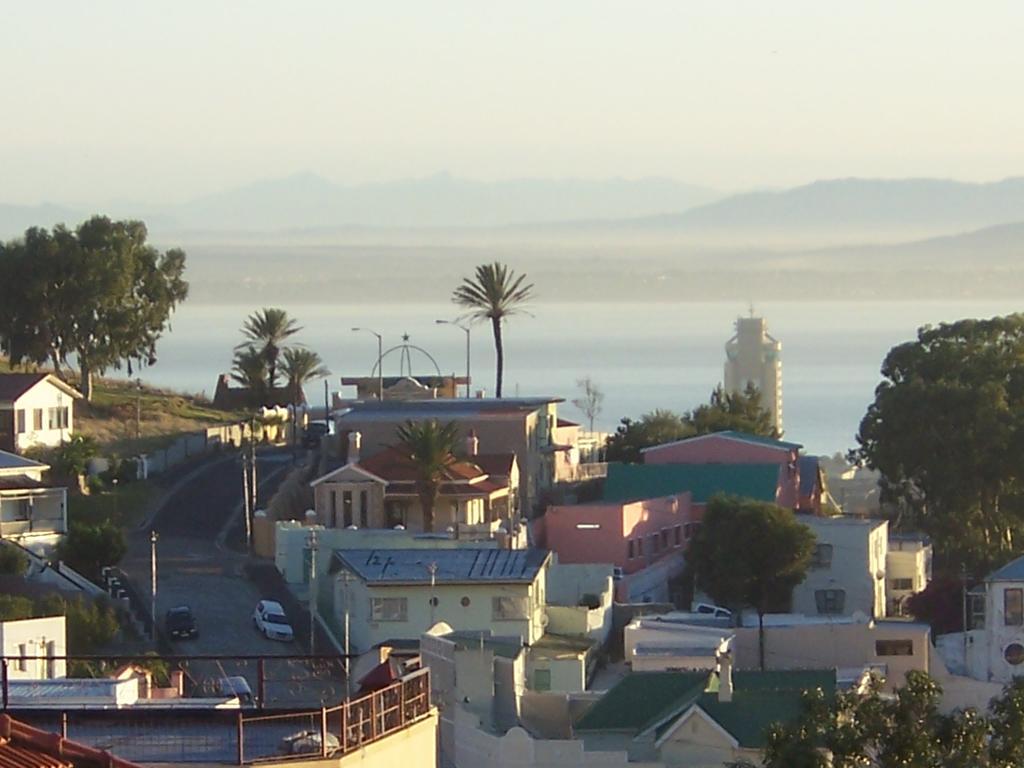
{"points": [[643, 356]]}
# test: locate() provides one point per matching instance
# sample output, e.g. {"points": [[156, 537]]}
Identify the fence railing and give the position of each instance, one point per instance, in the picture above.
{"points": [[335, 731]]}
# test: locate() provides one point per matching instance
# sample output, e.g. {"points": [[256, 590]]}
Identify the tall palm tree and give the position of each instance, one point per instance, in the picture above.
{"points": [[494, 293], [268, 328], [299, 367], [432, 450], [249, 369]]}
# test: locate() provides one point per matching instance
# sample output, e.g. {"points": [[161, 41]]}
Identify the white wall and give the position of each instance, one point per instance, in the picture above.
{"points": [[859, 551], [34, 637], [44, 395]]}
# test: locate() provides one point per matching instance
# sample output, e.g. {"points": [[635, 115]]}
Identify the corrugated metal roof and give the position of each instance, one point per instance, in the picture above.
{"points": [[731, 434], [14, 461], [446, 408], [412, 566], [632, 482]]}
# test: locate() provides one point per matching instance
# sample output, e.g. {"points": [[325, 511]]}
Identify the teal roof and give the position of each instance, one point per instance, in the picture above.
{"points": [[630, 482], [646, 700], [641, 700]]}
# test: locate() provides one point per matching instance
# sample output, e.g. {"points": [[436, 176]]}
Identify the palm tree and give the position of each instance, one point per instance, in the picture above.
{"points": [[268, 328], [431, 447], [494, 293], [249, 369], [300, 366]]}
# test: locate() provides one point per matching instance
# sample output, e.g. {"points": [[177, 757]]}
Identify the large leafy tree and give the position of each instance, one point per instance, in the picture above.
{"points": [[267, 330], [654, 428], [750, 554], [946, 432], [300, 366], [99, 293], [494, 293], [431, 447]]}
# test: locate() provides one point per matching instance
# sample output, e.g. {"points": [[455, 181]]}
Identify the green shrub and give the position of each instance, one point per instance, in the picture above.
{"points": [[13, 562]]}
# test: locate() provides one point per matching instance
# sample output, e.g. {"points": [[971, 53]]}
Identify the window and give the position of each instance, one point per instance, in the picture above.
{"points": [[630, 549], [976, 605], [542, 679], [394, 513], [1014, 654], [678, 531], [640, 547], [830, 601], [364, 509], [21, 421], [346, 508], [510, 608], [37, 419], [689, 530], [389, 609], [894, 647], [822, 557], [1013, 607], [22, 657], [903, 585], [465, 601], [654, 543], [664, 538], [334, 509]]}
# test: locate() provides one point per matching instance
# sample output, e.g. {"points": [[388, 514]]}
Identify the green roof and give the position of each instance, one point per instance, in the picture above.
{"points": [[646, 700], [631, 482], [640, 699]]}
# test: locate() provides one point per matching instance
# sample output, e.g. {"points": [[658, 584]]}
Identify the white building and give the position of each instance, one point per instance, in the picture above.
{"points": [[33, 648], [908, 569], [32, 514], [752, 356], [36, 409]]}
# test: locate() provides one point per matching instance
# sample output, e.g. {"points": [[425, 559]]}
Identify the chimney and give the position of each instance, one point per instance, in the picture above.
{"points": [[472, 443], [355, 440], [724, 659]]}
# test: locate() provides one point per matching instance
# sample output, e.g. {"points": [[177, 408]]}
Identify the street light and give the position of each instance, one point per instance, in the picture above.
{"points": [[466, 329], [153, 536], [380, 361], [311, 542]]}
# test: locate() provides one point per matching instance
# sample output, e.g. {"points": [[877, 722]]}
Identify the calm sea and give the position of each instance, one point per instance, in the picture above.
{"points": [[643, 356]]}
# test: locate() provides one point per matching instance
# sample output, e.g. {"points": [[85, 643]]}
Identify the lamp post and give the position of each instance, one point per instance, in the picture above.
{"points": [[380, 361], [153, 536], [312, 543], [465, 329]]}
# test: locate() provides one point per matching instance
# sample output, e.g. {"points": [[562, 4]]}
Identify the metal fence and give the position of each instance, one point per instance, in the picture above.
{"points": [[336, 731]]}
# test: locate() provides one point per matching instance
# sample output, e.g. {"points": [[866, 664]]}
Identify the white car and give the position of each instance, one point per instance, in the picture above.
{"points": [[269, 619]]}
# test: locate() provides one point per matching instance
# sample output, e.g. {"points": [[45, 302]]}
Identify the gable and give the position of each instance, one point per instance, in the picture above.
{"points": [[697, 727], [351, 473]]}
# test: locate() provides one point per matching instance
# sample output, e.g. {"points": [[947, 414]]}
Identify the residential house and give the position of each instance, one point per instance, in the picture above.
{"points": [[32, 513], [36, 410], [523, 426], [697, 719], [229, 398], [34, 648], [801, 484], [908, 569], [644, 540], [400, 593], [670, 643], [848, 570], [381, 491]]}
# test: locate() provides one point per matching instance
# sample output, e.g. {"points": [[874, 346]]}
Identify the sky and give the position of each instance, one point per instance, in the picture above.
{"points": [[119, 100]]}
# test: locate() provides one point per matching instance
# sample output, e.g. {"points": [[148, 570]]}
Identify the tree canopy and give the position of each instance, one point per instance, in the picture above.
{"points": [[946, 432], [263, 355], [872, 730], [494, 293], [99, 293], [739, 411], [432, 447], [749, 554]]}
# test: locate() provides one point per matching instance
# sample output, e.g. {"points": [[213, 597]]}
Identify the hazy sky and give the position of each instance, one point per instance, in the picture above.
{"points": [[164, 101]]}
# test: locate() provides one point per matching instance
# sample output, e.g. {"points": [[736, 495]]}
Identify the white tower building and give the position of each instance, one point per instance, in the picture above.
{"points": [[752, 356]]}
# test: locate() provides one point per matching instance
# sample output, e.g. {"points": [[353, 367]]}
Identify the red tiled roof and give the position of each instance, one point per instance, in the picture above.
{"points": [[499, 464], [394, 465], [22, 746]]}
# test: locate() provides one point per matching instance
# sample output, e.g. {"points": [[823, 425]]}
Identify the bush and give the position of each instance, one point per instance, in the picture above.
{"points": [[91, 624], [88, 548], [13, 562], [13, 608]]}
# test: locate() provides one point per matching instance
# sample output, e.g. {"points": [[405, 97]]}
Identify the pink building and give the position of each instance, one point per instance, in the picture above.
{"points": [[740, 448], [644, 540]]}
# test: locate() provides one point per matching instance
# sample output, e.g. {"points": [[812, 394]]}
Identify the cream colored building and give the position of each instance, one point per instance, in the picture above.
{"points": [[36, 410], [908, 569], [32, 514], [752, 356]]}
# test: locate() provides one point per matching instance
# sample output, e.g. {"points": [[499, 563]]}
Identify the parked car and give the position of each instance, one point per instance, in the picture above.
{"points": [[269, 619], [307, 742], [713, 610], [235, 686], [315, 430], [179, 623]]}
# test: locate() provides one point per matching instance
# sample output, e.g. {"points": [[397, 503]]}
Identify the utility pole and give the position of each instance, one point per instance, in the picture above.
{"points": [[346, 577], [246, 501], [432, 568], [153, 536], [963, 582], [312, 591], [252, 467]]}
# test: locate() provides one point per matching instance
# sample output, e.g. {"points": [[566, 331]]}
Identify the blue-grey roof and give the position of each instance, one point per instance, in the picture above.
{"points": [[453, 566], [1012, 571], [14, 461], [444, 408]]}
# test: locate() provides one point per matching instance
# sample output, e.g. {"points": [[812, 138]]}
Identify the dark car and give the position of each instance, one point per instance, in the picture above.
{"points": [[180, 623], [314, 431]]}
